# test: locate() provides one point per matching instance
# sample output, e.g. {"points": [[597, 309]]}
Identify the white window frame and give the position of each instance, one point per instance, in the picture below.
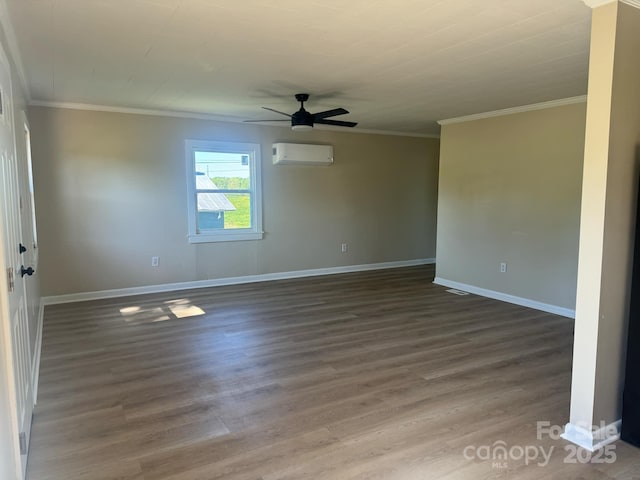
{"points": [[252, 150]]}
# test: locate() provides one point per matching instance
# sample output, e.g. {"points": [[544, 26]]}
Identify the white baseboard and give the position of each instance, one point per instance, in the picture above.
{"points": [[504, 297], [592, 440], [35, 367], [265, 277]]}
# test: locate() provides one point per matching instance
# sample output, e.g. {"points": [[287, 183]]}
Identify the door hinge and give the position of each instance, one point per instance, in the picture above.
{"points": [[23, 443], [11, 279]]}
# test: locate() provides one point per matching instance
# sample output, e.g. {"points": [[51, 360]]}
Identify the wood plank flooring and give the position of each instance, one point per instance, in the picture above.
{"points": [[376, 375]]}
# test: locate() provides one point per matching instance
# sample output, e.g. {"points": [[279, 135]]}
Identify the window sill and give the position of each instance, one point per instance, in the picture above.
{"points": [[225, 237]]}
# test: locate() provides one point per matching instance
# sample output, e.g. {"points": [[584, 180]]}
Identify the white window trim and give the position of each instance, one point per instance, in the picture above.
{"points": [[239, 234]]}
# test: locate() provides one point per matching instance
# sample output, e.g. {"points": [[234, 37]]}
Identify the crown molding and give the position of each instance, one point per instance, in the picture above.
{"points": [[210, 117], [12, 46], [133, 111], [380, 132], [509, 111], [599, 3]]}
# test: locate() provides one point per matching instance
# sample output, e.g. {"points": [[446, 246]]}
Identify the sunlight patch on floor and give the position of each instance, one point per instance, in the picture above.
{"points": [[184, 311], [171, 310]]}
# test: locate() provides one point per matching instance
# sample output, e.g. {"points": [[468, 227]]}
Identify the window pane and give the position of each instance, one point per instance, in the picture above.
{"points": [[224, 211], [229, 171], [224, 191], [241, 216]]}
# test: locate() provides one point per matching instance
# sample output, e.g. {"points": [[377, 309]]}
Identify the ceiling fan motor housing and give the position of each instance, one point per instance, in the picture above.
{"points": [[303, 120], [302, 117]]}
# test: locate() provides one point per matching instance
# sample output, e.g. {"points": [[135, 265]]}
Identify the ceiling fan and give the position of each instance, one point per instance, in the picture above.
{"points": [[304, 120]]}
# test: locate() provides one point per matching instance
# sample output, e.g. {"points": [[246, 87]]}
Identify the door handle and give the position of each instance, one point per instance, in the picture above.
{"points": [[26, 271]]}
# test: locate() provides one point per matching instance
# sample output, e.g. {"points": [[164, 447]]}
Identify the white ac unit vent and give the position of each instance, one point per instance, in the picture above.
{"points": [[299, 154]]}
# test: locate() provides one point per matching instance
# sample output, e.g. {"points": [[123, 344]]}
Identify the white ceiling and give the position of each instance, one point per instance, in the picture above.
{"points": [[397, 65]]}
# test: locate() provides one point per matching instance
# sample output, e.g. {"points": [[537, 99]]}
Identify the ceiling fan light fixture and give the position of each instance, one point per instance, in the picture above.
{"points": [[301, 127]]}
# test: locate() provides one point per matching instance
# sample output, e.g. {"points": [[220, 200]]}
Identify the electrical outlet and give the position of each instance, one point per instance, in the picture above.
{"points": [[503, 267], [345, 247], [155, 261]]}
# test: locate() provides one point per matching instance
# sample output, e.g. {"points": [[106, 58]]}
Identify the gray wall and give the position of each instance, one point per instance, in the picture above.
{"points": [[509, 192], [111, 193]]}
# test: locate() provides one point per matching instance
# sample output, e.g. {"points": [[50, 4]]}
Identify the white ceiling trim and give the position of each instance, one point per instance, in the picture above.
{"points": [[12, 46], [510, 111], [598, 3], [217, 118]]}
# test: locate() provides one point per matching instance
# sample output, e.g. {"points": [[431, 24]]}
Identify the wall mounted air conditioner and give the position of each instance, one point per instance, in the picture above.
{"points": [[299, 154]]}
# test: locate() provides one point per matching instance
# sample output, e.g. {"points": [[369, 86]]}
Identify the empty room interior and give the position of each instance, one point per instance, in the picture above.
{"points": [[269, 240]]}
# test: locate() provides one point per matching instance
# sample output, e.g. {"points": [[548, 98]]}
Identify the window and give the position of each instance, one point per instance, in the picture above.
{"points": [[32, 201], [223, 183]]}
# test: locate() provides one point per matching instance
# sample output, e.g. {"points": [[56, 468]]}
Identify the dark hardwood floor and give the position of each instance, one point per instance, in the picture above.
{"points": [[376, 375]]}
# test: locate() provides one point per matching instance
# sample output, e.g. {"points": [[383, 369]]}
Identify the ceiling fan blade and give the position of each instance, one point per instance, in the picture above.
{"points": [[338, 123], [329, 113], [276, 111], [267, 120]]}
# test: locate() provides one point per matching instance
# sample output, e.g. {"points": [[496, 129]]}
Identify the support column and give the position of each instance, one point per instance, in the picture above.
{"points": [[609, 195]]}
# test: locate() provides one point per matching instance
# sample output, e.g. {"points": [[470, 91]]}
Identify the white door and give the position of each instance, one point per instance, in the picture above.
{"points": [[14, 268]]}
